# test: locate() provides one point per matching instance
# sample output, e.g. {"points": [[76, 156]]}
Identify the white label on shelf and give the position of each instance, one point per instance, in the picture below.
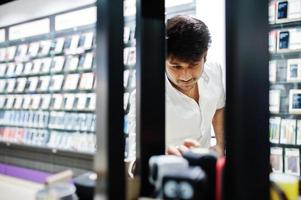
{"points": [[29, 29], [58, 99], [33, 83], [36, 66], [45, 80], [74, 42], [274, 101], [294, 9], [272, 70], [10, 85], [298, 137], [71, 82], [295, 39], [287, 131], [18, 103], [126, 75], [2, 85], [293, 70], [21, 84], [2, 69], [292, 161], [19, 69], [34, 49], [45, 101], [57, 64], [27, 68], [86, 81], [76, 18], [35, 101], [11, 51], [46, 64], [71, 63], [22, 50], [129, 7], [125, 100], [2, 54], [272, 41], [88, 40], [56, 82], [2, 35], [10, 101], [272, 12], [88, 61], [68, 101], [295, 101], [81, 101], [276, 159], [92, 104], [2, 100], [45, 47], [26, 103], [275, 129]]}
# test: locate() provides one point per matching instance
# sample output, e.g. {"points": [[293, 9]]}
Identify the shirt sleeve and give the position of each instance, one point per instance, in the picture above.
{"points": [[222, 97], [132, 127]]}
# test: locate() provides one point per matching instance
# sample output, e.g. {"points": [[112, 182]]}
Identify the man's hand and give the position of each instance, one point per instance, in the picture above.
{"points": [[179, 150], [219, 149]]}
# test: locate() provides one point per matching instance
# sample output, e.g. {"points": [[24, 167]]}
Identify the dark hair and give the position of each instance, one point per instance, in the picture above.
{"points": [[187, 38]]}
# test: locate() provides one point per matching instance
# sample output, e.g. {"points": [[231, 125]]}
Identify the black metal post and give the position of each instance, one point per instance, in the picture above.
{"points": [[247, 114], [109, 159], [150, 114]]}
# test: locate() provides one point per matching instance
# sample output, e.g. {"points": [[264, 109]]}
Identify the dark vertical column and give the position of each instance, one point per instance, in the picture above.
{"points": [[150, 103], [247, 114], [109, 158]]}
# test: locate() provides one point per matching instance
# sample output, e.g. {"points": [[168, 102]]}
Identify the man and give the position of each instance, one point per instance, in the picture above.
{"points": [[195, 96]]}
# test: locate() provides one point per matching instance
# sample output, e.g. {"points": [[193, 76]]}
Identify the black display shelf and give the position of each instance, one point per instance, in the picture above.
{"points": [[47, 150], [50, 92], [285, 83], [50, 55], [47, 128], [286, 115], [78, 71], [298, 146], [22, 126], [126, 66], [69, 130], [290, 24], [285, 55], [50, 110]]}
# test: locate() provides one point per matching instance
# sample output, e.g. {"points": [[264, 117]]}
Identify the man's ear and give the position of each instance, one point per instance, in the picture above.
{"points": [[205, 56]]}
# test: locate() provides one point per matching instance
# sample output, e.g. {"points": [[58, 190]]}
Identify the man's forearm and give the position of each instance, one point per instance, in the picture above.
{"points": [[218, 126]]}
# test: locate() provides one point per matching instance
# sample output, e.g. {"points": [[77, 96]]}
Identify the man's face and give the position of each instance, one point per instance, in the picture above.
{"points": [[184, 75]]}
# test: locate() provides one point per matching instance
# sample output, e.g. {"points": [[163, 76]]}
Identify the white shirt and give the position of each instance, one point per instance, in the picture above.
{"points": [[185, 118]]}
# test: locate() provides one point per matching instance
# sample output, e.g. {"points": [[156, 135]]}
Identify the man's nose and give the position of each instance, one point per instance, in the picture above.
{"points": [[185, 75]]}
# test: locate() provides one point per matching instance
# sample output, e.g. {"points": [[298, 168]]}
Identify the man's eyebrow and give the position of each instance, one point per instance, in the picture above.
{"points": [[174, 63]]}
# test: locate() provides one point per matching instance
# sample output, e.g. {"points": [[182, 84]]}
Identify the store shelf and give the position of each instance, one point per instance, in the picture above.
{"points": [[291, 24], [50, 92], [22, 126], [47, 150], [286, 55], [286, 115], [286, 145], [50, 55], [285, 83], [51, 110], [47, 128], [70, 130]]}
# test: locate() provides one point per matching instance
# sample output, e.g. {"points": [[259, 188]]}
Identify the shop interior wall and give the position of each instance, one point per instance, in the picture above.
{"points": [[24, 10]]}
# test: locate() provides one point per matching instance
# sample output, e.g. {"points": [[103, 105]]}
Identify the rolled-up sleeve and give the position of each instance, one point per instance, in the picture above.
{"points": [[222, 97]]}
